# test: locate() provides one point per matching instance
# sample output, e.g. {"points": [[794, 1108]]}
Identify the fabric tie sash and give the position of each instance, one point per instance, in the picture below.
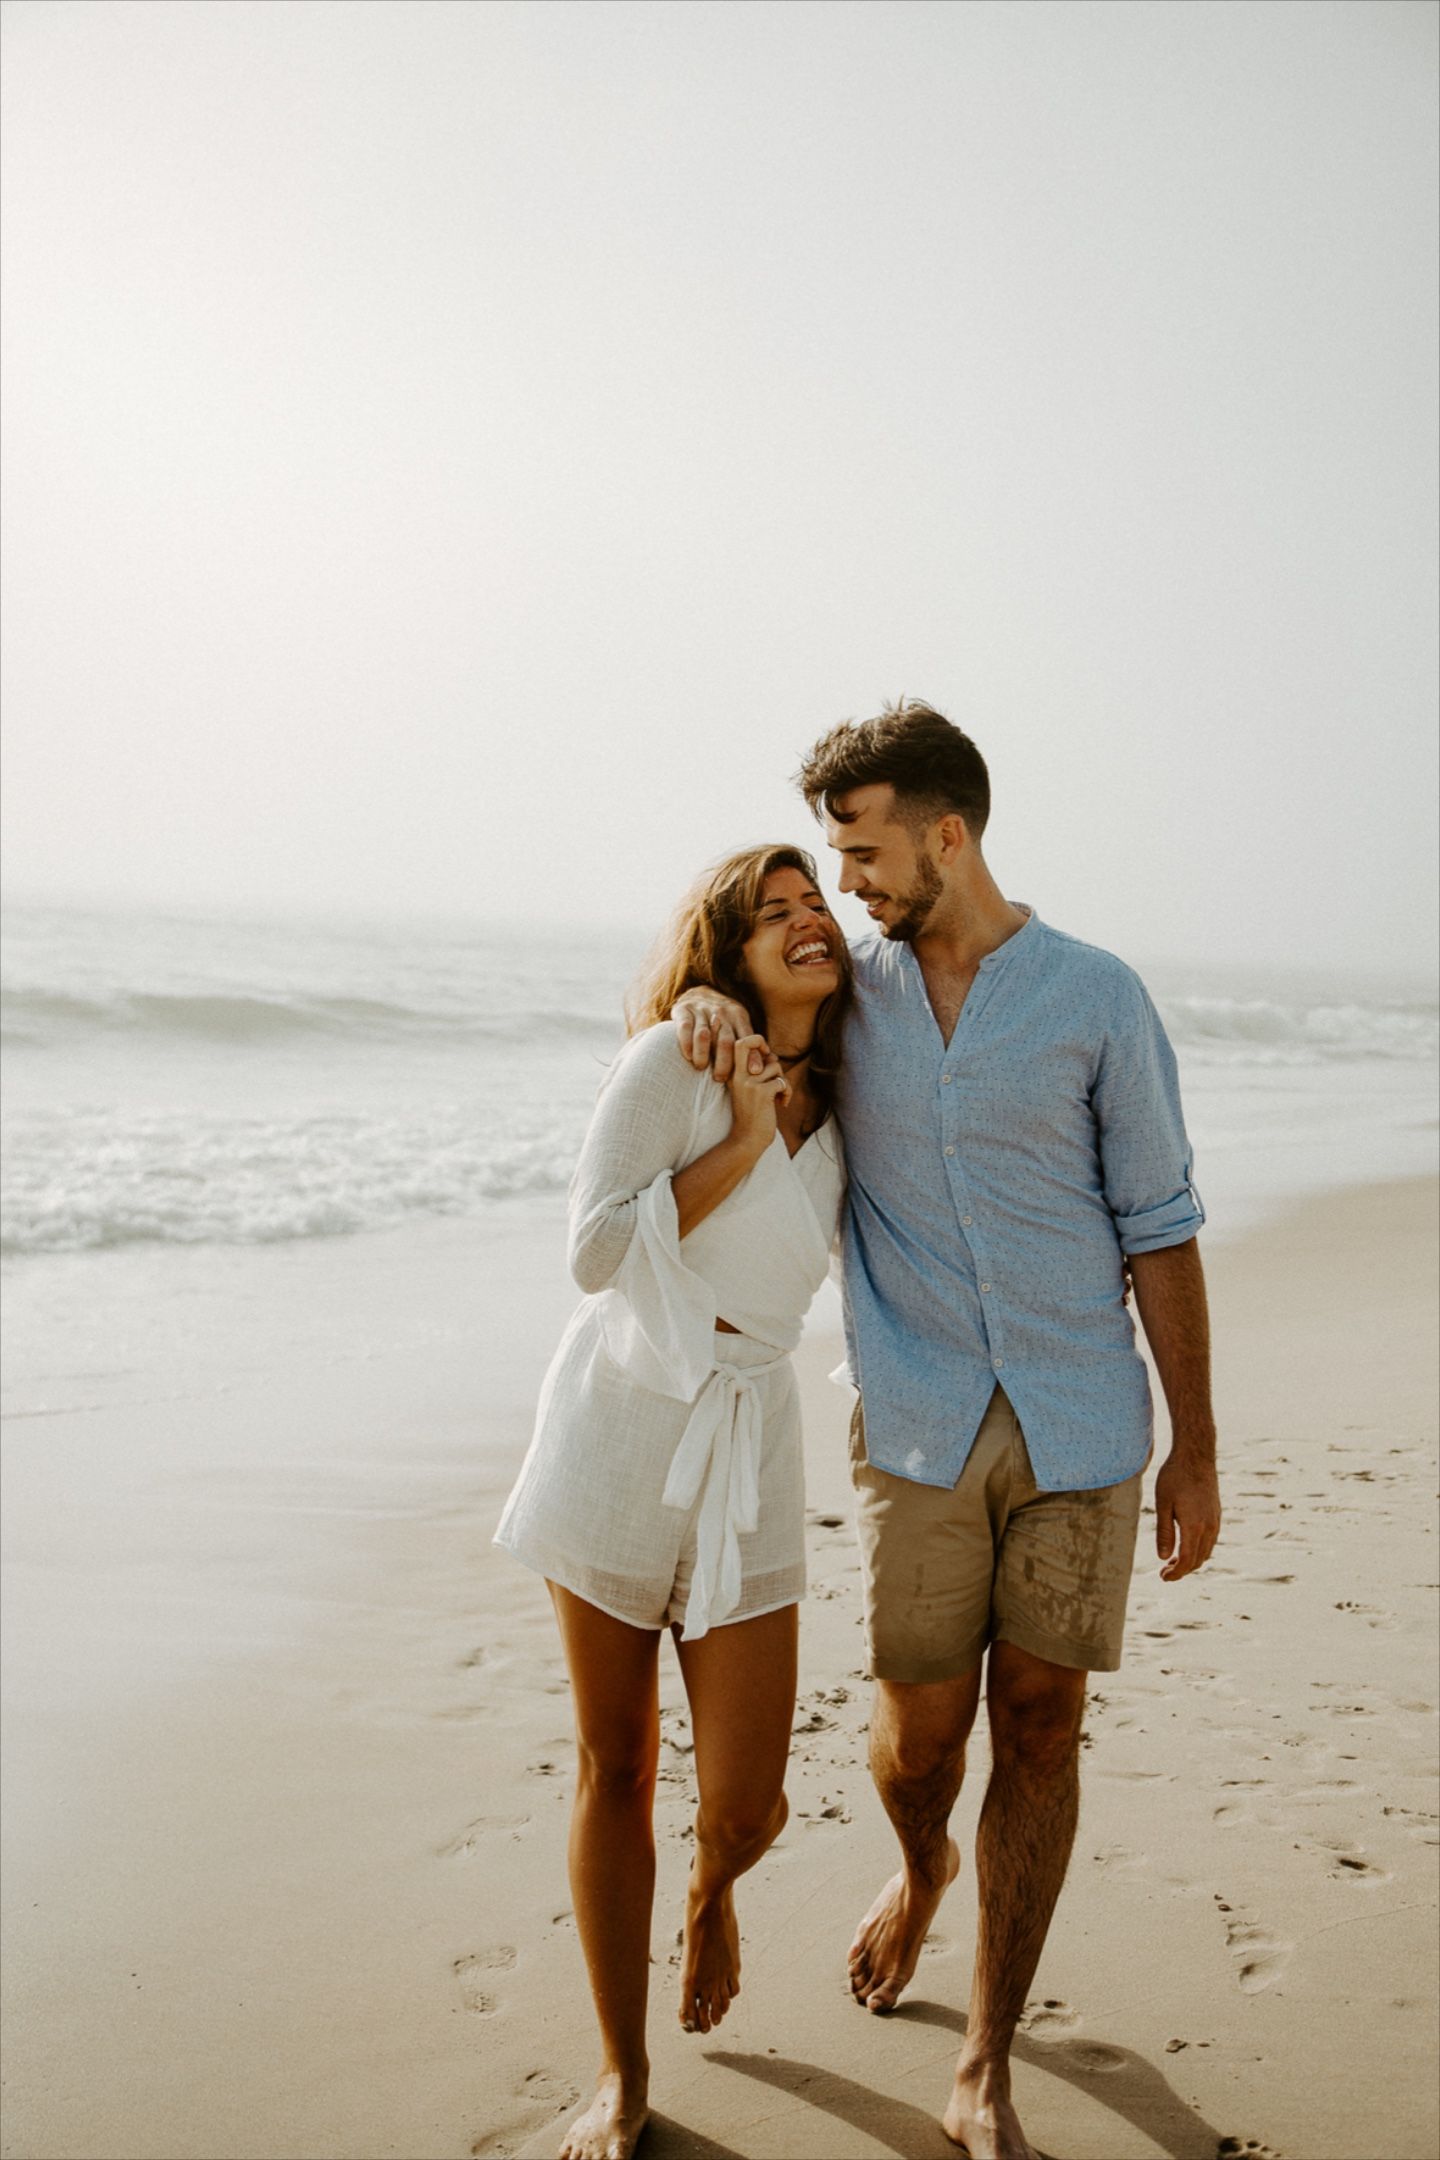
{"points": [[720, 1451]]}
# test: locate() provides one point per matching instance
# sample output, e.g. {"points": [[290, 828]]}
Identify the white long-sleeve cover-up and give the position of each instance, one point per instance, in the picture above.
{"points": [[664, 1480]]}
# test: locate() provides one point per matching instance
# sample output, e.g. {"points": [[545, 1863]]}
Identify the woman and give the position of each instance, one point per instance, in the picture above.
{"points": [[664, 1484]]}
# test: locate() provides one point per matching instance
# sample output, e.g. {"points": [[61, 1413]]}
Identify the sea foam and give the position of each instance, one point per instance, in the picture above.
{"points": [[193, 1080]]}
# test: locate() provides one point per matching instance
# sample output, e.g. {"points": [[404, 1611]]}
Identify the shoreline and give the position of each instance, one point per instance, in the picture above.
{"points": [[288, 1752]]}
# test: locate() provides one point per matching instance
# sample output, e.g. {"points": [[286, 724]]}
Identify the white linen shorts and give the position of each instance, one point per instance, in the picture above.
{"points": [[587, 1510]]}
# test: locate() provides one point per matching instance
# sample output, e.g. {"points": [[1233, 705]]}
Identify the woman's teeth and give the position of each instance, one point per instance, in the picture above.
{"points": [[809, 955]]}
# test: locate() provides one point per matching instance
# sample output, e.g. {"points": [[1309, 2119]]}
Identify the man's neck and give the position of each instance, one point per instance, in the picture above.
{"points": [[976, 923]]}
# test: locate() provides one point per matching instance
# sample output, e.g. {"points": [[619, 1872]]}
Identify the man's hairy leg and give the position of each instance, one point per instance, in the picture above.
{"points": [[918, 1732], [1022, 1849]]}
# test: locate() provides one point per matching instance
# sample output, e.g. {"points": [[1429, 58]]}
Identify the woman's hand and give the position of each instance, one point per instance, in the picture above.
{"points": [[754, 1099], [756, 1096]]}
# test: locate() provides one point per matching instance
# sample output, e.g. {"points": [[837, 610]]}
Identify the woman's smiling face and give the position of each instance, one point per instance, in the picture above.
{"points": [[789, 956]]}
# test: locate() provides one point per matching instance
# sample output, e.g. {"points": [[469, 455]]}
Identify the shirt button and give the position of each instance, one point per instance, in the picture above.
{"points": [[945, 1080], [984, 1286], [998, 1363], [966, 1221], [949, 1151]]}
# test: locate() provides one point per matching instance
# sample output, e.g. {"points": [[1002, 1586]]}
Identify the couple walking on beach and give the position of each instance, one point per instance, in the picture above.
{"points": [[981, 1116]]}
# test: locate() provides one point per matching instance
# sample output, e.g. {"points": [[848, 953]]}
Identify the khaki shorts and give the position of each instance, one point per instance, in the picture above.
{"points": [[990, 1559]]}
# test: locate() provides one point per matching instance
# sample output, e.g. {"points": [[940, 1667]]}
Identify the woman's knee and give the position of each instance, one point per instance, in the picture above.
{"points": [[617, 1766], [737, 1823]]}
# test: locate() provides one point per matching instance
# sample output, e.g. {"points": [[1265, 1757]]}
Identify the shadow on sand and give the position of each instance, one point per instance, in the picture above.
{"points": [[666, 2139], [1116, 2077]]}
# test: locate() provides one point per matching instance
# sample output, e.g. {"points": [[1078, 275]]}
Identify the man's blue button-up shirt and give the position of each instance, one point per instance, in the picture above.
{"points": [[995, 1183]]}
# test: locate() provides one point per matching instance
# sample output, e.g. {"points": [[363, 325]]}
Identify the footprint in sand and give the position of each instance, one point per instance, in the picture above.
{"points": [[1048, 2020], [937, 1946], [1374, 1616], [1234, 2148], [539, 2096], [1261, 1956], [1093, 2056], [473, 1974], [475, 1834], [1351, 1866], [1115, 1860]]}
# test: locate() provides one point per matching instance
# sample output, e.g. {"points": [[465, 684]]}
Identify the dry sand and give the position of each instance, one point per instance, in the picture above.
{"points": [[288, 1764]]}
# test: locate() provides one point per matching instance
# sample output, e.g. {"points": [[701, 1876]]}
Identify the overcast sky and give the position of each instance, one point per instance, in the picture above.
{"points": [[458, 456]]}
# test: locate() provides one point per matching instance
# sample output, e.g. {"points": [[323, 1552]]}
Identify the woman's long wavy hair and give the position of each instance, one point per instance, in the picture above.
{"points": [[702, 948]]}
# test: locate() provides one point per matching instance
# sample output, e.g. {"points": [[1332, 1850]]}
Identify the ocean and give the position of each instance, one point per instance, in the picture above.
{"points": [[191, 1078]]}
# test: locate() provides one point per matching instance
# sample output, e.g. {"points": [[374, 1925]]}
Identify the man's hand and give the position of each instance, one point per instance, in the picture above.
{"points": [[1187, 1501], [1170, 1298], [708, 1025]]}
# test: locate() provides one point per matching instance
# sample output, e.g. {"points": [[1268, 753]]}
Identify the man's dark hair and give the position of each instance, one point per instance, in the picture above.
{"points": [[934, 768]]}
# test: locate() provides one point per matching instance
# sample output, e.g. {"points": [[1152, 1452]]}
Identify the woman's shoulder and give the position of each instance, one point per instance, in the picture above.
{"points": [[653, 1061]]}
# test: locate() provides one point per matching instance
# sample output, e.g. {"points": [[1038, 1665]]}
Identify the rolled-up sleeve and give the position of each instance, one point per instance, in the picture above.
{"points": [[1147, 1163]]}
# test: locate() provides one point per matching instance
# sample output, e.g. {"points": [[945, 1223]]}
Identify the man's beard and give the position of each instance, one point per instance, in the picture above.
{"points": [[918, 904]]}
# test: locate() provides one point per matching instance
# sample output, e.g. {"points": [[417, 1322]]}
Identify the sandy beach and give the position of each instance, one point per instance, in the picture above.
{"points": [[288, 1753]]}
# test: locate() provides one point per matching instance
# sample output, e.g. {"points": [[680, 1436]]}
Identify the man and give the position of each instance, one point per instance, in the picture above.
{"points": [[1014, 1138]]}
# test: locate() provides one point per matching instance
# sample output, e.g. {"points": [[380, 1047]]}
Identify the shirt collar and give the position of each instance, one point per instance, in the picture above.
{"points": [[1024, 939]]}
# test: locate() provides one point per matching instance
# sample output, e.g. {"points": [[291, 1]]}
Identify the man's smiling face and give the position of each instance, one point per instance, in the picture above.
{"points": [[882, 862]]}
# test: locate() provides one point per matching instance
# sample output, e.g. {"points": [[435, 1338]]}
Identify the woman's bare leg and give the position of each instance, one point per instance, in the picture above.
{"points": [[741, 1683], [614, 1672]]}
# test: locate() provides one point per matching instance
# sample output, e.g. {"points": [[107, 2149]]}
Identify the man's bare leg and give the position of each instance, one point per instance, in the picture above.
{"points": [[1022, 1849], [918, 1732], [614, 1676]]}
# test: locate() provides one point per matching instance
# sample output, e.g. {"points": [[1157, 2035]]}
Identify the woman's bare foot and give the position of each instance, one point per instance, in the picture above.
{"points": [[609, 2129], [887, 1942], [980, 2119], [710, 1974]]}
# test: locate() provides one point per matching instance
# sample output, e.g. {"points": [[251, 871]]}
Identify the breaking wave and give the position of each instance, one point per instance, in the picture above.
{"points": [[49, 1018], [1270, 1031], [82, 1181]]}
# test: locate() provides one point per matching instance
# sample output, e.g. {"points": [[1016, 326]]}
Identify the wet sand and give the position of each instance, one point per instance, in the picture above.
{"points": [[288, 1757]]}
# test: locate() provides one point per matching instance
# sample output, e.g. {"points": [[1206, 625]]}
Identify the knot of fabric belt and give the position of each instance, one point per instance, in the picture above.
{"points": [[719, 1449]]}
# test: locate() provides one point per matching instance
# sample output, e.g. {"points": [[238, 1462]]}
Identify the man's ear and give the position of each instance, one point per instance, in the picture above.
{"points": [[954, 836]]}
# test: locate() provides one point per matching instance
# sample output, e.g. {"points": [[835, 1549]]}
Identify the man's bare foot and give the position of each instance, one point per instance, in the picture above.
{"points": [[710, 1972], [980, 2119], [887, 1942], [609, 2129]]}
